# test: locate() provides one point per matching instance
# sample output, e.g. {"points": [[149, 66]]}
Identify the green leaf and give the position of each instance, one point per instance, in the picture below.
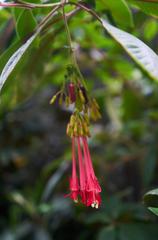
{"points": [[151, 198], [17, 12], [150, 8], [150, 29], [154, 210], [26, 23], [120, 12], [14, 60], [6, 55], [107, 233], [144, 56]]}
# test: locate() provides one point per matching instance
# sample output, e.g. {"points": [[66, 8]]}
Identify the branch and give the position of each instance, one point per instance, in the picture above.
{"points": [[22, 4]]}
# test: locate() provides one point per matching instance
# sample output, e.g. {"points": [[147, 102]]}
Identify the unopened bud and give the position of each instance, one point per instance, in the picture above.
{"points": [[61, 99], [67, 101], [94, 102], [86, 117], [84, 93], [81, 96], [68, 129], [53, 99], [85, 129], [72, 120], [76, 129], [72, 94]]}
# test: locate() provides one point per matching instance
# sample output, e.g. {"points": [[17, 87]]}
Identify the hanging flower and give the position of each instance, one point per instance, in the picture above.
{"points": [[84, 185], [87, 188]]}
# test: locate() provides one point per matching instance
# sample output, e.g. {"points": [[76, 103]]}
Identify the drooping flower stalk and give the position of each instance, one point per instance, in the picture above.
{"points": [[84, 185]]}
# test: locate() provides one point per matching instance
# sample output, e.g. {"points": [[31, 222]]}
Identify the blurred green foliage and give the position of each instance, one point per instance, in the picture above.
{"points": [[34, 150]]}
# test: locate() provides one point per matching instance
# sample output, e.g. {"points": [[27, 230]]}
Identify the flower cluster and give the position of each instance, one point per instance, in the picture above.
{"points": [[84, 185], [74, 92], [78, 125]]}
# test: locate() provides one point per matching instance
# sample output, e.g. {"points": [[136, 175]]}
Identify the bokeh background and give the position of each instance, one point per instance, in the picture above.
{"points": [[35, 153]]}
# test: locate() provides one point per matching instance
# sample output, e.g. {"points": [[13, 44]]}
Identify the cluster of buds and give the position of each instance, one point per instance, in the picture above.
{"points": [[78, 125], [75, 93], [94, 110]]}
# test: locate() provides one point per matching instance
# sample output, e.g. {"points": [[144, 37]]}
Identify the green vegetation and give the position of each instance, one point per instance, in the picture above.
{"points": [[115, 44]]}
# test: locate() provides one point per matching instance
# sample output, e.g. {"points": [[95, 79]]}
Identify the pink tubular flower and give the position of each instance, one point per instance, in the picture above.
{"points": [[74, 185], [93, 188], [88, 186]]}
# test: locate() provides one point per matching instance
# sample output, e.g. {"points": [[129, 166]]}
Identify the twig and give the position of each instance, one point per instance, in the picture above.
{"points": [[22, 4]]}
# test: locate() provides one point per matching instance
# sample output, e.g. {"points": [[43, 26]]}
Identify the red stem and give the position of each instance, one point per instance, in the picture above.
{"points": [[19, 5]]}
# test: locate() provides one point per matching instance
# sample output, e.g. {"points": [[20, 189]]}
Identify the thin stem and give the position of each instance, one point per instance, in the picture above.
{"points": [[22, 4], [45, 5], [47, 18], [89, 10], [17, 5], [68, 15], [67, 30], [72, 51], [58, 5], [46, 40]]}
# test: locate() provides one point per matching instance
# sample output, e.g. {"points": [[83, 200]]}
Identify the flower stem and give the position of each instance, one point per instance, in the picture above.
{"points": [[72, 51], [23, 4]]}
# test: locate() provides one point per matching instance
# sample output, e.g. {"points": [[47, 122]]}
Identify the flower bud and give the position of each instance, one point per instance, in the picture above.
{"points": [[81, 96], [72, 94], [84, 93], [53, 99]]}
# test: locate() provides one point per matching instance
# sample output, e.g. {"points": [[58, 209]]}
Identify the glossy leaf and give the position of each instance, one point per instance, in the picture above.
{"points": [[151, 198], [6, 55], [14, 60], [144, 56], [154, 210]]}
